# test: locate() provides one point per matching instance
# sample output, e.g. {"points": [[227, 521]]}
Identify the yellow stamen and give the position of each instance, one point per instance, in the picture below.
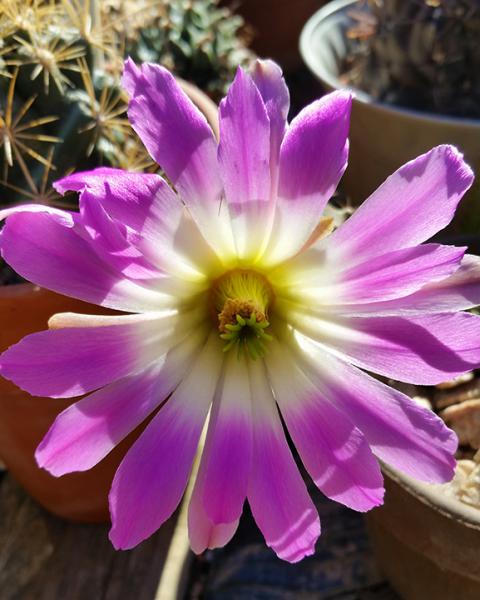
{"points": [[240, 300]]}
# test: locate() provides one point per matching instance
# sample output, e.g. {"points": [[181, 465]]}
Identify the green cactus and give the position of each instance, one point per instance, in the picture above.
{"points": [[424, 54], [61, 104], [197, 39]]}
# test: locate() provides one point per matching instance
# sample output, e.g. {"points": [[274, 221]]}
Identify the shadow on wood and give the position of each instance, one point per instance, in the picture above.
{"points": [[45, 558]]}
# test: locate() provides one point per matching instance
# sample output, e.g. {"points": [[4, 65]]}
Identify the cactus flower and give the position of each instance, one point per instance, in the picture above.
{"points": [[239, 302]]}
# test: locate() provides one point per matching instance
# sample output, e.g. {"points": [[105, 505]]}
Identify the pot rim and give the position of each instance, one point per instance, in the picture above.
{"points": [[317, 67], [433, 496]]}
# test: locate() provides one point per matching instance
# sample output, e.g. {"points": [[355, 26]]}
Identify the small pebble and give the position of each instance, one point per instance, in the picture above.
{"points": [[463, 486], [456, 381], [469, 491], [464, 419], [448, 397], [422, 401]]}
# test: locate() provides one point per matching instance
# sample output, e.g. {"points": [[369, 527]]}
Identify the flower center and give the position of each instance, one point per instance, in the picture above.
{"points": [[240, 300]]}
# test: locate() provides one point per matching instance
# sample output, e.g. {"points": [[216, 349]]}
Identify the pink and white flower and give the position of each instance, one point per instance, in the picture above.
{"points": [[241, 301]]}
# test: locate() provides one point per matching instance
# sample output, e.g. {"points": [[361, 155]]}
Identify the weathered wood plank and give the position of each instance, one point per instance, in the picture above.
{"points": [[45, 558]]}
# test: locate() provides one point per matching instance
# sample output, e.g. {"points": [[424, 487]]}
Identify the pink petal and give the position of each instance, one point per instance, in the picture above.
{"points": [[147, 214], [424, 350], [175, 132], [460, 291], [179, 138], [268, 78], [169, 272], [398, 273], [109, 240], [62, 363], [229, 443], [413, 204], [203, 533], [333, 450], [62, 216], [311, 278], [400, 432], [244, 159], [83, 434], [151, 479], [313, 157], [139, 201], [277, 495], [50, 253]]}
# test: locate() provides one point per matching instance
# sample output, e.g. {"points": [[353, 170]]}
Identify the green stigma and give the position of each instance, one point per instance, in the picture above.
{"points": [[241, 299], [247, 335]]}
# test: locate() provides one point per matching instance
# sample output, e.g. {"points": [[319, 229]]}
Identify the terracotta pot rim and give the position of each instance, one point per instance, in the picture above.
{"points": [[321, 71], [435, 498]]}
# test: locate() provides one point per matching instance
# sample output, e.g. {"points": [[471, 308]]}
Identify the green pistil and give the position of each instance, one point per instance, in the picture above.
{"points": [[240, 301], [247, 335]]}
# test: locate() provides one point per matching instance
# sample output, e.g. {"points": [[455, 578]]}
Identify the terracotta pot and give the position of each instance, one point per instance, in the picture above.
{"points": [[382, 136], [24, 419], [276, 25], [426, 543]]}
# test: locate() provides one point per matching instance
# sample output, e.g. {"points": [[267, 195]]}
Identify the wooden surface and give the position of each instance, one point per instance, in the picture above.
{"points": [[45, 558]]}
